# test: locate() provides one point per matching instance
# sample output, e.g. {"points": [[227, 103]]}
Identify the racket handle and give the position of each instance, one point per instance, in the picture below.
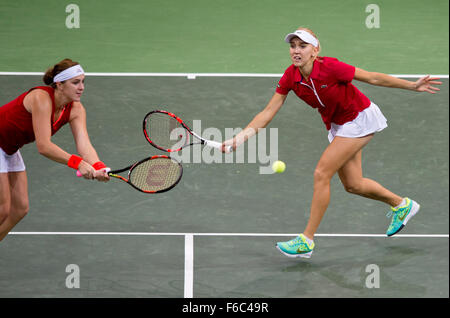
{"points": [[79, 175], [213, 144], [218, 145]]}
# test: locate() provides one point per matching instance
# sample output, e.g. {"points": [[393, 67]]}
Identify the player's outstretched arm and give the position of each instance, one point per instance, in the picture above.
{"points": [[424, 84]]}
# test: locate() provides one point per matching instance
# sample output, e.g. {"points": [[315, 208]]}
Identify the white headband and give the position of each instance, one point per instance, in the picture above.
{"points": [[303, 35], [69, 73]]}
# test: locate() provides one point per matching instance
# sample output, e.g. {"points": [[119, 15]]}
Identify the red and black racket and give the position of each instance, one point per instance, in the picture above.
{"points": [[167, 132], [155, 174]]}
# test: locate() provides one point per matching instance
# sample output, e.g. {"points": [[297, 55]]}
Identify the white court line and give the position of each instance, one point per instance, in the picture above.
{"points": [[195, 75], [188, 266], [223, 234], [189, 244]]}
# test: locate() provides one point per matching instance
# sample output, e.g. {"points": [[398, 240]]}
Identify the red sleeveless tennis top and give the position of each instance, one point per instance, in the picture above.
{"points": [[16, 126]]}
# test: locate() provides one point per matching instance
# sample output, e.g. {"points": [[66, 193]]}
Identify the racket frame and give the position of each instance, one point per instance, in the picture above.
{"points": [[115, 173], [203, 141]]}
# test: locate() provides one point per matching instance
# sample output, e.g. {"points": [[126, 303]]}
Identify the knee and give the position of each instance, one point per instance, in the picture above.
{"points": [[353, 187], [20, 214], [321, 175], [5, 208], [4, 213], [20, 210]]}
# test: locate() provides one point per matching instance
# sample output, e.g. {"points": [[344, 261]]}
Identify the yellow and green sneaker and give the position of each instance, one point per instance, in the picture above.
{"points": [[401, 216], [297, 247]]}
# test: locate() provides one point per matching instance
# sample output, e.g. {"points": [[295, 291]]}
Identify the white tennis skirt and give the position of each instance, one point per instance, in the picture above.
{"points": [[369, 121], [11, 163]]}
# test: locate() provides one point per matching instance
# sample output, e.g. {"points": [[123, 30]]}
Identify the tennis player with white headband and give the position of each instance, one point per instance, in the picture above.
{"points": [[69, 73], [325, 83], [36, 115]]}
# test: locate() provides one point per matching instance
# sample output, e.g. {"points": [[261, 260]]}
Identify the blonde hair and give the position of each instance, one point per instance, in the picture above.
{"points": [[319, 47]]}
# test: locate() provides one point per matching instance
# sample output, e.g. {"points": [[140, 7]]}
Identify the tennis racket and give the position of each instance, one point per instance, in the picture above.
{"points": [[167, 132], [155, 174]]}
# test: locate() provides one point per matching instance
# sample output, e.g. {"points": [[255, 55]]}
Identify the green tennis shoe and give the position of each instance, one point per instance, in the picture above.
{"points": [[401, 216], [297, 247]]}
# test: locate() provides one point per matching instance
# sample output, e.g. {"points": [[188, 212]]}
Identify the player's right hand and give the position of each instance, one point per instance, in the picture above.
{"points": [[230, 142], [102, 175]]}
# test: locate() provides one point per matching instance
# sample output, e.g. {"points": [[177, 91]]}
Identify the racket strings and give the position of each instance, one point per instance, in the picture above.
{"points": [[156, 175], [166, 132]]}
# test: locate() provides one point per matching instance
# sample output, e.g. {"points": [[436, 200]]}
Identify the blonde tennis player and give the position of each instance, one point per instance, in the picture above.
{"points": [[325, 83]]}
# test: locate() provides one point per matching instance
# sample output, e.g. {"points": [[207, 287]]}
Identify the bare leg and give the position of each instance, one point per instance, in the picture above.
{"points": [[5, 197], [352, 178], [335, 156], [14, 189]]}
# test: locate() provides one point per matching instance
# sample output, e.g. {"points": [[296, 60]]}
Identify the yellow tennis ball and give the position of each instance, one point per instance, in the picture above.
{"points": [[278, 166]]}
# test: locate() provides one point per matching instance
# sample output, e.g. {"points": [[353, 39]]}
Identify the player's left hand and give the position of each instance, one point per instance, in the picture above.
{"points": [[425, 84]]}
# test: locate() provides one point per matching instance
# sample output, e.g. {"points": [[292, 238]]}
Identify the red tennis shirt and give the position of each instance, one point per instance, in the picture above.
{"points": [[329, 89], [16, 125]]}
